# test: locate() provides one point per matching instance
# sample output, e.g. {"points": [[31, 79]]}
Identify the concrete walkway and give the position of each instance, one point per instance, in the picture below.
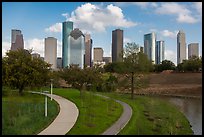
{"points": [[66, 118], [122, 121]]}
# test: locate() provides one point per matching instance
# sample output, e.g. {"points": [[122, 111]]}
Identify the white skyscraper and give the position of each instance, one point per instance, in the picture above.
{"points": [[181, 46], [51, 51], [149, 46]]}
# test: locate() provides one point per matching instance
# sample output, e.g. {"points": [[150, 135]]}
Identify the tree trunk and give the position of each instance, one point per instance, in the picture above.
{"points": [[132, 85], [21, 89]]}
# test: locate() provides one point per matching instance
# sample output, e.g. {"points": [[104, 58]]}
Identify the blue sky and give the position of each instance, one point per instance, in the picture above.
{"points": [[38, 20]]}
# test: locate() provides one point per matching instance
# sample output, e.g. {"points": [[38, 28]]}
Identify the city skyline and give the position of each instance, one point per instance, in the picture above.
{"points": [[47, 22]]}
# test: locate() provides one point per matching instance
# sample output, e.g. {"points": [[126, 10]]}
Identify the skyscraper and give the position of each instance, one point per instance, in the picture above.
{"points": [[193, 50], [149, 46], [16, 40], [88, 51], [159, 52], [181, 46], [76, 48], [67, 27], [117, 45], [51, 51], [98, 55]]}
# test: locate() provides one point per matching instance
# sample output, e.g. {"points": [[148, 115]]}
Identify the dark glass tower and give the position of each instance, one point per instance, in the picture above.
{"points": [[117, 45]]}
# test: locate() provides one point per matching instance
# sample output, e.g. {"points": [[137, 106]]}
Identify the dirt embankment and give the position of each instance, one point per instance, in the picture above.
{"points": [[185, 84]]}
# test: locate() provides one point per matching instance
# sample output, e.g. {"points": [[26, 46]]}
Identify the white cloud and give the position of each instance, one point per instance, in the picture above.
{"points": [[57, 27], [153, 30], [170, 34], [5, 47], [198, 7], [89, 17], [183, 14], [66, 15], [36, 44], [171, 55], [142, 5]]}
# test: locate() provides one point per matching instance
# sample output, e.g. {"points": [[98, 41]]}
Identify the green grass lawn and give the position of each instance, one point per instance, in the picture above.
{"points": [[24, 115], [96, 114], [153, 117]]}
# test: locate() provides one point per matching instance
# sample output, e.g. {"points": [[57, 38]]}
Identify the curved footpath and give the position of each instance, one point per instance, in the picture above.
{"points": [[66, 118], [122, 121]]}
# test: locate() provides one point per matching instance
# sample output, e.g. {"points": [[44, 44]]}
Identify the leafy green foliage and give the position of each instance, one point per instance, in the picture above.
{"points": [[165, 65], [21, 70], [194, 64]]}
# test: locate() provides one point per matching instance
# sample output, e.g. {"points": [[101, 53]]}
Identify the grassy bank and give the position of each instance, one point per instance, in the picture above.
{"points": [[24, 115], [153, 117], [96, 114]]}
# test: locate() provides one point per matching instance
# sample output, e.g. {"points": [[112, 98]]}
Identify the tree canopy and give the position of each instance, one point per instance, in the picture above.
{"points": [[20, 70]]}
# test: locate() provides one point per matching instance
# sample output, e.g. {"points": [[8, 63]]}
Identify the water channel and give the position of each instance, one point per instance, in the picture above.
{"points": [[191, 108]]}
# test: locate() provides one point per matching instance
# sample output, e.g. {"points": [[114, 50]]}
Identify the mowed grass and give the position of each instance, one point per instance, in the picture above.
{"points": [[96, 114], [25, 115], [153, 117]]}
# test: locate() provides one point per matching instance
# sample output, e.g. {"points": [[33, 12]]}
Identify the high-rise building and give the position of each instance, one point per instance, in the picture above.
{"points": [[117, 45], [107, 60], [59, 62], [98, 55], [67, 27], [16, 40], [51, 51], [142, 49], [159, 52], [149, 46], [88, 50], [193, 50], [181, 46], [76, 48]]}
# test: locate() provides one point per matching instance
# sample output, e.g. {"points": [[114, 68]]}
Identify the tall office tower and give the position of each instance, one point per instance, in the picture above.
{"points": [[107, 60], [51, 51], [88, 51], [149, 46], [16, 40], [98, 55], [159, 52], [142, 49], [67, 27], [59, 62], [193, 50], [117, 45], [181, 46], [76, 48]]}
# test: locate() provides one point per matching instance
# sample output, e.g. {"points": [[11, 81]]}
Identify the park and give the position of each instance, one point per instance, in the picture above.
{"points": [[96, 92]]}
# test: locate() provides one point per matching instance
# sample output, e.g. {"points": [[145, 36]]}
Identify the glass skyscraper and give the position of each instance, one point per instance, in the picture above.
{"points": [[149, 46], [76, 48], [159, 52], [67, 27]]}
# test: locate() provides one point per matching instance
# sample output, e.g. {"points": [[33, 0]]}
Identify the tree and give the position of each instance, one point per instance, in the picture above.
{"points": [[81, 78], [134, 63], [21, 70], [193, 64], [165, 65]]}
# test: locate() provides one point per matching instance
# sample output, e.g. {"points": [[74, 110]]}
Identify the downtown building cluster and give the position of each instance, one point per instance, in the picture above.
{"points": [[77, 48]]}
